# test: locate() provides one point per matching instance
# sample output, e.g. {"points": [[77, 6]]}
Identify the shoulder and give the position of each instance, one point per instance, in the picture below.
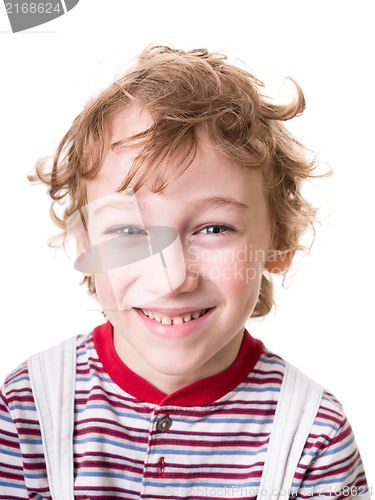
{"points": [[331, 410], [17, 381], [330, 457], [330, 417], [269, 371], [17, 385], [16, 402]]}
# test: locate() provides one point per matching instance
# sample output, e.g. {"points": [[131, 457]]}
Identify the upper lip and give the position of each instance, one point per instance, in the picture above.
{"points": [[174, 312]]}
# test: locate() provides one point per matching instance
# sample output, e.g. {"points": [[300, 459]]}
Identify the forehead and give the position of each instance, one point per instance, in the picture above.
{"points": [[129, 122], [210, 174]]}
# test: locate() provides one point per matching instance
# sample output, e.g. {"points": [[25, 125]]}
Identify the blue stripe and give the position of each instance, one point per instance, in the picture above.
{"points": [[14, 485], [267, 388], [198, 452], [23, 407], [5, 418], [336, 449], [109, 474], [198, 484], [5, 451], [121, 443], [41, 475], [222, 420], [115, 411], [31, 441]]}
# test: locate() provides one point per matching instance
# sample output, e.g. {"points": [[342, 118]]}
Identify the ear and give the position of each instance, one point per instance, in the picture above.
{"points": [[279, 261], [82, 246]]}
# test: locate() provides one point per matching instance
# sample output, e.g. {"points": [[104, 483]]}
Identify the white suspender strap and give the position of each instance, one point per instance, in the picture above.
{"points": [[296, 410], [52, 375]]}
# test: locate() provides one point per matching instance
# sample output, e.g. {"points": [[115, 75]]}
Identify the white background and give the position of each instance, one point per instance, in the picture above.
{"points": [[324, 322]]}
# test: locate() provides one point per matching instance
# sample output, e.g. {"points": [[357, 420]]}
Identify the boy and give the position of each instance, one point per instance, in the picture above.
{"points": [[183, 190]]}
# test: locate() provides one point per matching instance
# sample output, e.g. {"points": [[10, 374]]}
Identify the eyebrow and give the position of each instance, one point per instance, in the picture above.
{"points": [[218, 202], [199, 204], [129, 206]]}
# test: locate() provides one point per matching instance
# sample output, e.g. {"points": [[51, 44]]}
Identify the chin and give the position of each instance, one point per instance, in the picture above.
{"points": [[179, 368]]}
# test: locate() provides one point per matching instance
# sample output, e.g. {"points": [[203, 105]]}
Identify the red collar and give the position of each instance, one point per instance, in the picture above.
{"points": [[199, 393]]}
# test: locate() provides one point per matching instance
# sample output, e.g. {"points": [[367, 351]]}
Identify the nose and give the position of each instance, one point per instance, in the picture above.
{"points": [[173, 274], [169, 278], [189, 284]]}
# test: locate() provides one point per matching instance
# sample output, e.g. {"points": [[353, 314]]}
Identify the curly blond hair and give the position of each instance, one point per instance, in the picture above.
{"points": [[184, 90]]}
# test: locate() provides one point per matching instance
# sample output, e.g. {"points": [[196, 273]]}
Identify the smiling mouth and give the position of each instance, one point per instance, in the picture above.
{"points": [[174, 320]]}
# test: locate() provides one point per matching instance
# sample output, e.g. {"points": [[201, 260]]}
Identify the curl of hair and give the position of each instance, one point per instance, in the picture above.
{"points": [[184, 90]]}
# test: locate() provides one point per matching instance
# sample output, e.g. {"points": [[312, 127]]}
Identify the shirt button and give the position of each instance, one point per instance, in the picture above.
{"points": [[163, 424]]}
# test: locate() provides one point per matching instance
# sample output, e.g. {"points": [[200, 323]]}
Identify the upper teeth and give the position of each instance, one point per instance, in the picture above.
{"points": [[175, 320]]}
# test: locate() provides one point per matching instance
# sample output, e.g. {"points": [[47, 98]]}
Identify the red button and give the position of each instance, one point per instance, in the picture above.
{"points": [[161, 467]]}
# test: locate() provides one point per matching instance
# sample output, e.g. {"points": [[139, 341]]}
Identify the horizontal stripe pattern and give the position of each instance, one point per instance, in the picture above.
{"points": [[211, 451]]}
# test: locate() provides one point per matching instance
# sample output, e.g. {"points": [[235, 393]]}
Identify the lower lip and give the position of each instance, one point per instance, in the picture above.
{"points": [[182, 330]]}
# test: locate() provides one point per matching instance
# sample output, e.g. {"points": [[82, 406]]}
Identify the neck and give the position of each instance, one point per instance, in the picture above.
{"points": [[173, 380]]}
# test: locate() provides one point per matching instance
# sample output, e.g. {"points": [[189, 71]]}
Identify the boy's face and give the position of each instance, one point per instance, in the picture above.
{"points": [[220, 215]]}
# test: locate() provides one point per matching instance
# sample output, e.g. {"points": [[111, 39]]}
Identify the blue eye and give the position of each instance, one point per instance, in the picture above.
{"points": [[214, 229], [127, 231]]}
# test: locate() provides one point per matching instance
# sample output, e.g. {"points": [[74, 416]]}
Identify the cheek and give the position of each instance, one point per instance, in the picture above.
{"points": [[139, 283], [235, 273], [104, 291], [136, 284], [241, 281]]}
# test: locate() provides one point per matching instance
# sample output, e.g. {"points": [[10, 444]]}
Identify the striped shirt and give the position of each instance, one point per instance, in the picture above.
{"points": [[205, 441]]}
